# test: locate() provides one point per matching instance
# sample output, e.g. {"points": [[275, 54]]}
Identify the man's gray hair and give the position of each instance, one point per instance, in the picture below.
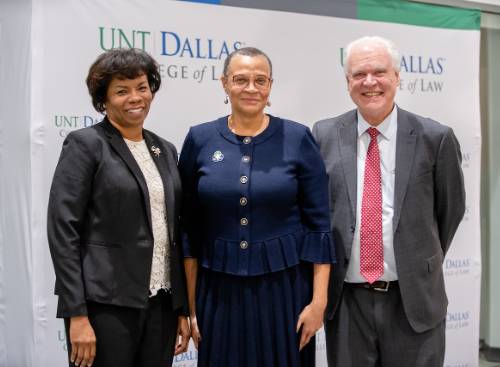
{"points": [[373, 40]]}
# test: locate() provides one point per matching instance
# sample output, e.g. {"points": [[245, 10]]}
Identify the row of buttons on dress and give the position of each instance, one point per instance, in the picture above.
{"points": [[243, 200]]}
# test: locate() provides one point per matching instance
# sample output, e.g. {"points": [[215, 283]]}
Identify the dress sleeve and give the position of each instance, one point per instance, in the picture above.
{"points": [[190, 212], [318, 245], [68, 200]]}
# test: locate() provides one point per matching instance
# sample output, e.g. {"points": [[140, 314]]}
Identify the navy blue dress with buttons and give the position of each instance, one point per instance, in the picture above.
{"points": [[256, 216]]}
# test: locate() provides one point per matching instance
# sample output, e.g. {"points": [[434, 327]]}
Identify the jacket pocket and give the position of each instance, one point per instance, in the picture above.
{"points": [[98, 266], [434, 262], [101, 243]]}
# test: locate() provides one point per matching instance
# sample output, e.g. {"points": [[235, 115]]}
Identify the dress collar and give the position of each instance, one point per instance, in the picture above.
{"points": [[274, 124]]}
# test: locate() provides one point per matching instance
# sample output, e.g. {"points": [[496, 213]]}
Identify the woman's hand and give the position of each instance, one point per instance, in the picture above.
{"points": [[195, 331], [182, 335], [310, 319], [83, 341]]}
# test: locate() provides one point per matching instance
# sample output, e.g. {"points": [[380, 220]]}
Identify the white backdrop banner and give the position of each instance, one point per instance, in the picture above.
{"points": [[439, 79]]}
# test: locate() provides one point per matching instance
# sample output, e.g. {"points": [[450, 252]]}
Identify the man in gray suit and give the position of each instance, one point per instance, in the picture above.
{"points": [[397, 197]]}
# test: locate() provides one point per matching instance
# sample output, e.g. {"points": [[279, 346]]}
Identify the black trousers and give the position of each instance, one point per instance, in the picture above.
{"points": [[370, 329], [132, 337]]}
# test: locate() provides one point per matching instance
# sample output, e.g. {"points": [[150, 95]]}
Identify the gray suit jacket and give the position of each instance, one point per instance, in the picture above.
{"points": [[429, 203]]}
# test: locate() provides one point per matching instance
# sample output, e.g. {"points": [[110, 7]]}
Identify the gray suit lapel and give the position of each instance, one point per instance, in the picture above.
{"points": [[405, 152], [348, 151]]}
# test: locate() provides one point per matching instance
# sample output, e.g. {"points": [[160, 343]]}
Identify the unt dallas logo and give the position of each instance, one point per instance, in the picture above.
{"points": [[416, 64], [187, 50], [169, 43], [421, 73], [458, 320]]}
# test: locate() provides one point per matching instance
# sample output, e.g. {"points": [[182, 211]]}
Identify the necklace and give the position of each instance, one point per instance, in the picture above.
{"points": [[262, 127]]}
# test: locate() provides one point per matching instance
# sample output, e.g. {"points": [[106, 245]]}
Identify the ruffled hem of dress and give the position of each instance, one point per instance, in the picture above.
{"points": [[318, 248], [270, 255], [188, 250]]}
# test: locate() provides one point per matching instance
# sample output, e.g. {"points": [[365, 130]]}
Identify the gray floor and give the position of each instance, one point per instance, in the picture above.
{"points": [[484, 363]]}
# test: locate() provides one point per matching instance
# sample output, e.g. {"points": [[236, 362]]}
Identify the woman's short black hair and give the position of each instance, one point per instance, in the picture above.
{"points": [[123, 64], [246, 51]]}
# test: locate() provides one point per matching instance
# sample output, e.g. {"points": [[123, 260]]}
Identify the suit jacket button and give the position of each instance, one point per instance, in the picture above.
{"points": [[353, 229], [243, 245]]}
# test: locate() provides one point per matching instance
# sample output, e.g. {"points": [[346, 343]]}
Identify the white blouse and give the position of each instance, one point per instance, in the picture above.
{"points": [[160, 269]]}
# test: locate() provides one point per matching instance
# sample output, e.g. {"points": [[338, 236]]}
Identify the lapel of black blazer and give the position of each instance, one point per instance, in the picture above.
{"points": [[348, 150], [119, 145], [163, 162], [405, 153]]}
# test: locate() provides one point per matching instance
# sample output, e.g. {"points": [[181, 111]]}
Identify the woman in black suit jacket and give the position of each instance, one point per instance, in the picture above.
{"points": [[113, 226]]}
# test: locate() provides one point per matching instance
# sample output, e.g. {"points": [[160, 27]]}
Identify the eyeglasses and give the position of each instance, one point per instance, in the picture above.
{"points": [[259, 81]]}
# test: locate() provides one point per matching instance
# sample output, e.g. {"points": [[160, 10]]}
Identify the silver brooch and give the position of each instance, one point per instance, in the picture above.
{"points": [[156, 151], [218, 156]]}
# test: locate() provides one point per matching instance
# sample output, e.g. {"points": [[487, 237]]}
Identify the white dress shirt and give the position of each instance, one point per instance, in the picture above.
{"points": [[387, 146]]}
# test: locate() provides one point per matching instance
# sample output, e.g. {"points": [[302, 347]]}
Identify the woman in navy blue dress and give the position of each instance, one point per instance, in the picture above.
{"points": [[257, 244]]}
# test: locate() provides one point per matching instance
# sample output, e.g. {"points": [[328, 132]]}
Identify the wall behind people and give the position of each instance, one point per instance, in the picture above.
{"points": [[16, 262], [490, 198], [190, 41]]}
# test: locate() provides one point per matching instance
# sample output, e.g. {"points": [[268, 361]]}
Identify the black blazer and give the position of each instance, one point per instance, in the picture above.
{"points": [[99, 221]]}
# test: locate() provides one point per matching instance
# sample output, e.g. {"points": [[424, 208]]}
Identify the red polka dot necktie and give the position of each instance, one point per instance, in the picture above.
{"points": [[371, 242]]}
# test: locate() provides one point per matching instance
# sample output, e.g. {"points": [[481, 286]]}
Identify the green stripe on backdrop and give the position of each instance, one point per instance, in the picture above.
{"points": [[427, 15]]}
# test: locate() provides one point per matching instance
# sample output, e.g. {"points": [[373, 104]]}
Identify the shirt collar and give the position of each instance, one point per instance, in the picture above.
{"points": [[386, 128]]}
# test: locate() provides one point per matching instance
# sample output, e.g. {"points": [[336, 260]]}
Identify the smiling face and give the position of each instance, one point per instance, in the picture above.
{"points": [[372, 81], [248, 84], [128, 102]]}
